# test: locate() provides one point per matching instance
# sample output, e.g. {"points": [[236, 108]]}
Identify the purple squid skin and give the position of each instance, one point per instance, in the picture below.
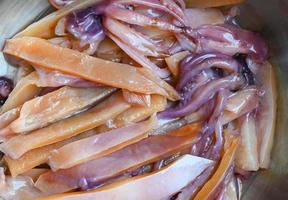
{"points": [[6, 87], [192, 60], [86, 25], [231, 40], [194, 83], [206, 61], [214, 119], [202, 95], [205, 148]]}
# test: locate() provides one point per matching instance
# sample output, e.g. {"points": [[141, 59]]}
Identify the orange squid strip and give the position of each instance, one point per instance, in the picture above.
{"points": [[19, 145], [57, 105], [38, 156], [100, 145], [26, 89], [135, 114], [173, 62], [136, 98], [7, 117], [44, 54], [146, 151], [211, 186]]}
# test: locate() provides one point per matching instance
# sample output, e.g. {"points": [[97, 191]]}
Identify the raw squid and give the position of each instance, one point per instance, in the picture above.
{"points": [[202, 96], [266, 118], [60, 3], [132, 156], [136, 98], [196, 17], [230, 40], [52, 107], [209, 189], [6, 87], [38, 156], [7, 117], [136, 40], [75, 63], [247, 155], [20, 188], [135, 114], [26, 89], [137, 18], [99, 145], [221, 110], [49, 78], [18, 145], [173, 62], [141, 59], [240, 103], [166, 182]]}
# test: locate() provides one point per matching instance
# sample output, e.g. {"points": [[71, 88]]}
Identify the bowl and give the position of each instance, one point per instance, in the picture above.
{"points": [[270, 18]]}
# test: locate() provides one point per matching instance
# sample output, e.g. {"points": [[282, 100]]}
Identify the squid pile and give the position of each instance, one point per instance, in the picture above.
{"points": [[135, 99]]}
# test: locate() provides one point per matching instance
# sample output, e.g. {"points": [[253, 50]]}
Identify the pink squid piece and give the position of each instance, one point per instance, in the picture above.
{"points": [[142, 60], [137, 18], [230, 40], [155, 5], [130, 37]]}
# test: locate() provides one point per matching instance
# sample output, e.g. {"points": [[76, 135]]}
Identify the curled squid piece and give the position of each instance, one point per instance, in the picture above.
{"points": [[85, 25], [206, 61], [231, 40], [202, 95]]}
